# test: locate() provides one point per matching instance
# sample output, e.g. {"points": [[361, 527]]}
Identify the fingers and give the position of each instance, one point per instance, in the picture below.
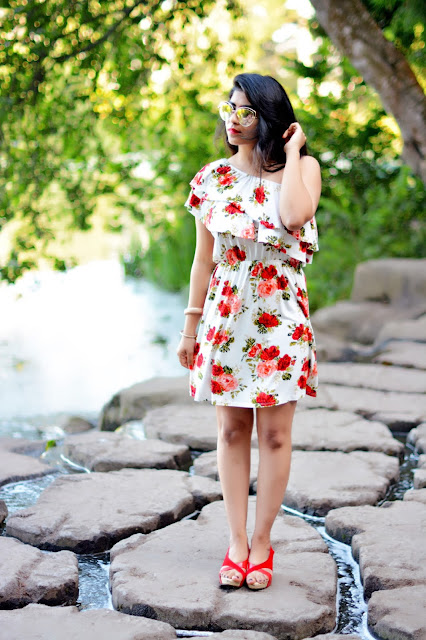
{"points": [[185, 356]]}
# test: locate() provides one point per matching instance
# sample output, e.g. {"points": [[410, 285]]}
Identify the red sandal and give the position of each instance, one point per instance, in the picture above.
{"points": [[228, 564], [268, 564]]}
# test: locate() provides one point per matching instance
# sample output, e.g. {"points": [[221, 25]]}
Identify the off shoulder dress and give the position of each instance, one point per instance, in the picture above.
{"points": [[255, 346]]}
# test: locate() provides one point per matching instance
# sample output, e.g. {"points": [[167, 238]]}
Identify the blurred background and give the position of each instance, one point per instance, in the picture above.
{"points": [[107, 111]]}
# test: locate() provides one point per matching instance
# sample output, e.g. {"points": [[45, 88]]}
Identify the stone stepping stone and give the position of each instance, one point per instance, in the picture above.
{"points": [[388, 542], [172, 575], [398, 613], [323, 430], [38, 622], [416, 495], [368, 401], [16, 466], [103, 451], [194, 426], [323, 480], [403, 354], [417, 437], [241, 635], [335, 636], [373, 376], [133, 402], [3, 511], [88, 513], [420, 473], [411, 330], [29, 575]]}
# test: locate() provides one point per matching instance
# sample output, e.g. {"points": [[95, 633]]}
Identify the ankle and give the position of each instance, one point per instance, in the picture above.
{"points": [[238, 540], [262, 541]]}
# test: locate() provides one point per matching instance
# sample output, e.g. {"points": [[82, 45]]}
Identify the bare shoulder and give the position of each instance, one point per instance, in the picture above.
{"points": [[309, 163]]}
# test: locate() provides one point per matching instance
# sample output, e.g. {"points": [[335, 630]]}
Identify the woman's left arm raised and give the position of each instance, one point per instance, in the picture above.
{"points": [[301, 182]]}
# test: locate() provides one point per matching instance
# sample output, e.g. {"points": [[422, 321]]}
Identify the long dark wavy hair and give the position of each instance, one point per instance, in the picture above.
{"points": [[275, 114]]}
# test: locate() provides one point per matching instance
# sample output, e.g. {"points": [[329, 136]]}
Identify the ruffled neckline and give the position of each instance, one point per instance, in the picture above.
{"points": [[250, 175]]}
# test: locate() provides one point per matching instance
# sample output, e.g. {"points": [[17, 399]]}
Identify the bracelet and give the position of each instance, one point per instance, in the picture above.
{"points": [[185, 335], [190, 310]]}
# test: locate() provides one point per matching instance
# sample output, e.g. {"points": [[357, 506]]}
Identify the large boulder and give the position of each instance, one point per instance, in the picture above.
{"points": [[395, 281], [133, 402], [103, 451], [88, 513], [38, 622], [29, 575], [172, 575]]}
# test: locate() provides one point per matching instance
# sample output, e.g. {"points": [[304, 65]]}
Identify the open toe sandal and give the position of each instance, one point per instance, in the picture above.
{"points": [[228, 565], [268, 564]]}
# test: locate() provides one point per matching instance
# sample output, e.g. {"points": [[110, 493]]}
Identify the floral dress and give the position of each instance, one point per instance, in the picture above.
{"points": [[255, 345]]}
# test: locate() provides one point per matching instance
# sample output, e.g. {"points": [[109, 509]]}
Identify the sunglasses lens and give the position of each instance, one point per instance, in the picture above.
{"points": [[225, 110], [245, 116]]}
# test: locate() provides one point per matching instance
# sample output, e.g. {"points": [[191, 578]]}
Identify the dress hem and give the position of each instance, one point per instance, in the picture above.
{"points": [[253, 405]]}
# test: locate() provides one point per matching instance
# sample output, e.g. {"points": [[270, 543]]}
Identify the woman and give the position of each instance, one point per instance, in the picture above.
{"points": [[254, 348]]}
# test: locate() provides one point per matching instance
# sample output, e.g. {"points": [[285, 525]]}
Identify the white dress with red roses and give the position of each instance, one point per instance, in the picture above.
{"points": [[255, 346]]}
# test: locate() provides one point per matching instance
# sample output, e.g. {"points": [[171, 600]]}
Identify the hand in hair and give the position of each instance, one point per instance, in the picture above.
{"points": [[294, 137]]}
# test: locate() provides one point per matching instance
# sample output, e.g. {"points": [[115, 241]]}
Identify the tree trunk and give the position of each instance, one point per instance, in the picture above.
{"points": [[358, 37]]}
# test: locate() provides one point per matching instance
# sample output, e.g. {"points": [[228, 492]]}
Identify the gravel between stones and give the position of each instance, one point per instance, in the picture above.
{"points": [[38, 622], [172, 574], [28, 575], [88, 513]]}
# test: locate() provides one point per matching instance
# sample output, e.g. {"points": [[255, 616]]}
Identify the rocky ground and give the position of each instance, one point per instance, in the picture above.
{"points": [[131, 494]]}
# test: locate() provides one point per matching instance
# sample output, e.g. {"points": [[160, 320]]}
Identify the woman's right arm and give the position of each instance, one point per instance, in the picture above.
{"points": [[201, 271]]}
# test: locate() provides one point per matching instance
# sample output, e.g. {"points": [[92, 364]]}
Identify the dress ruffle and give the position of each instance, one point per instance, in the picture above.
{"points": [[228, 200]]}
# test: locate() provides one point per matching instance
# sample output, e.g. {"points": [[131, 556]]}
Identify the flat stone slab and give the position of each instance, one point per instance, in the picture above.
{"points": [[403, 354], [194, 426], [324, 430], [103, 451], [16, 466], [3, 511], [387, 541], [133, 403], [334, 636], [323, 480], [411, 330], [29, 575], [373, 376], [416, 495], [90, 512], [241, 635], [172, 575], [38, 622], [368, 401], [398, 613], [417, 437]]}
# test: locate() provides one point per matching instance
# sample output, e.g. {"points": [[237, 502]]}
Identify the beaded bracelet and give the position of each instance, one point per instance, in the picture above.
{"points": [[190, 310], [185, 335]]}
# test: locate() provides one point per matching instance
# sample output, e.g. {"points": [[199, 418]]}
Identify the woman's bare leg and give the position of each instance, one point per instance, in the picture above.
{"points": [[274, 435], [235, 425]]}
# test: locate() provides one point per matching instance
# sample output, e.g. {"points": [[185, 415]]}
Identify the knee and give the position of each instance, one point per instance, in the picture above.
{"points": [[234, 431], [275, 438]]}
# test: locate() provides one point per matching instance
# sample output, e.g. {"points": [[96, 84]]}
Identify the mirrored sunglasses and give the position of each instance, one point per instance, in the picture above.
{"points": [[245, 115]]}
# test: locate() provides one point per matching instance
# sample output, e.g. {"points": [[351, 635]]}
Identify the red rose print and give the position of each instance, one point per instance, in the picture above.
{"points": [[234, 207], [256, 269], [307, 335], [268, 320], [226, 180], [266, 369], [227, 290], [305, 365], [219, 338], [265, 399], [228, 382], [302, 382], [267, 224], [259, 194], [284, 363], [231, 257], [223, 170], [270, 353], [215, 387], [298, 332], [310, 391], [200, 360], [192, 390], [234, 303], [282, 282], [268, 272], [217, 370], [241, 255], [199, 177], [210, 333], [266, 288], [294, 263], [196, 348], [254, 350], [194, 201], [304, 246], [248, 232], [224, 309]]}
